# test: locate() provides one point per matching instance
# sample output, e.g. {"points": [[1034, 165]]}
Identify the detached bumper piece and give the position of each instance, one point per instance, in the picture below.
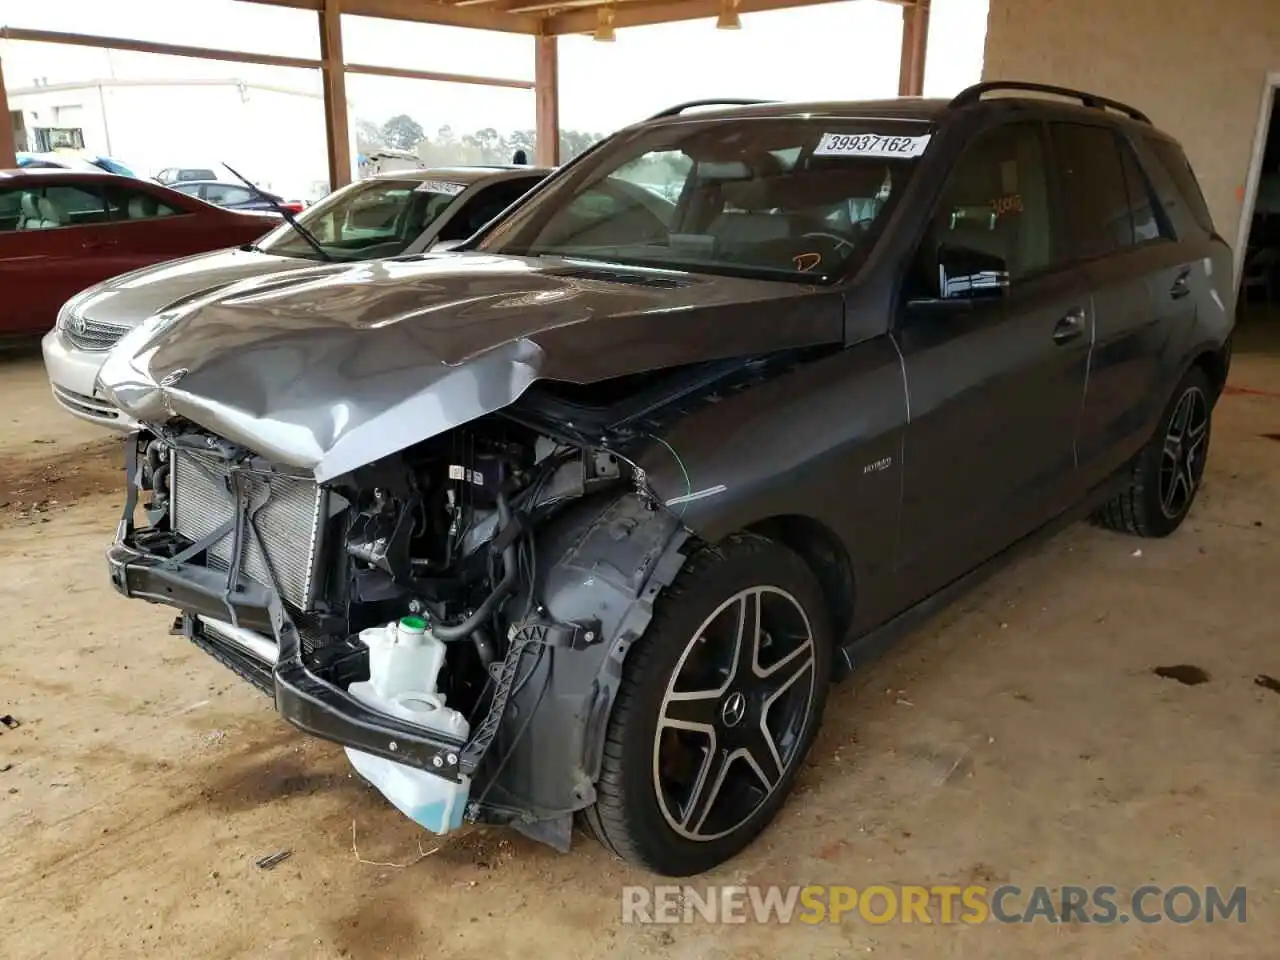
{"points": [[307, 701]]}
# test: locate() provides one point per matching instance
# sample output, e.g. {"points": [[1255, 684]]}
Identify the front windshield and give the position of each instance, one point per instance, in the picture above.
{"points": [[776, 198], [366, 220]]}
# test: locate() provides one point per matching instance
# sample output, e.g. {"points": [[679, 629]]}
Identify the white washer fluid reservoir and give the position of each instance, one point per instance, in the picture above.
{"points": [[403, 656], [405, 660]]}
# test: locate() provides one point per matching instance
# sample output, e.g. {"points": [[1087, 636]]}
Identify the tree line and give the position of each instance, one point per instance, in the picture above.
{"points": [[447, 146]]}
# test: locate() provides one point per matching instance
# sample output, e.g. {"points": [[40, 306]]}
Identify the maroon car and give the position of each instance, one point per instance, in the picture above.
{"points": [[64, 230]]}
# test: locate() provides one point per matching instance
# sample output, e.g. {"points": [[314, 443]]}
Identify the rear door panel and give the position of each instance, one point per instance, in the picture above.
{"points": [[1142, 293], [1135, 319], [149, 228]]}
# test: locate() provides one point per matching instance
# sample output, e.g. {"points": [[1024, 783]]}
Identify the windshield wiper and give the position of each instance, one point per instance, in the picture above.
{"points": [[289, 218]]}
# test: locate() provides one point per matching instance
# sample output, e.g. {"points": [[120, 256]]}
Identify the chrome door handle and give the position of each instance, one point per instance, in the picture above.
{"points": [[1181, 285], [1069, 327]]}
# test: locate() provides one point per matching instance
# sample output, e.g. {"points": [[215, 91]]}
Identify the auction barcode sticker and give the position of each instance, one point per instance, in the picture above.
{"points": [[440, 186], [870, 145]]}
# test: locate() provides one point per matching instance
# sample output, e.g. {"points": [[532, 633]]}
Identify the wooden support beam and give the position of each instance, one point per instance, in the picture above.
{"points": [[238, 56], [546, 79], [538, 7], [424, 11], [439, 77], [642, 13], [145, 46], [915, 45], [543, 17], [334, 80], [8, 157]]}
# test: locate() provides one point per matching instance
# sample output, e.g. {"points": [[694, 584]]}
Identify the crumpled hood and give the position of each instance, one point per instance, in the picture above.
{"points": [[127, 300], [336, 366]]}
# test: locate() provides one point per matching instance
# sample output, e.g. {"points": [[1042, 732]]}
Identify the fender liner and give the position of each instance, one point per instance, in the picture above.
{"points": [[604, 561]]}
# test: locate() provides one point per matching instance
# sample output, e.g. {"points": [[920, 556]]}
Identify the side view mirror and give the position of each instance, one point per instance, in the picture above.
{"points": [[968, 274]]}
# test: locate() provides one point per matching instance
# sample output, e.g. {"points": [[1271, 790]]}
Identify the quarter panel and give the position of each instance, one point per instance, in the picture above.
{"points": [[1213, 321]]}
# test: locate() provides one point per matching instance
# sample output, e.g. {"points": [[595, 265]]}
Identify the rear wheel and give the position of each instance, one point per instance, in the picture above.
{"points": [[1167, 473], [718, 706]]}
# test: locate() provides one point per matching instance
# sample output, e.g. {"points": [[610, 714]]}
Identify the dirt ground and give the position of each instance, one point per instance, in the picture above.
{"points": [[1019, 737]]}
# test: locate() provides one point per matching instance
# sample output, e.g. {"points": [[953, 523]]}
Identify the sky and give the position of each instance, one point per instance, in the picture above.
{"points": [[843, 50]]}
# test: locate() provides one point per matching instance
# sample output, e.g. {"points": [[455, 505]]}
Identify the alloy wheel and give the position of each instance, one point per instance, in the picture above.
{"points": [[733, 716], [1183, 458]]}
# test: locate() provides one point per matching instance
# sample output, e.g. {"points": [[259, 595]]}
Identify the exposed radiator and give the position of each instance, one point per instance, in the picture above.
{"points": [[287, 524]]}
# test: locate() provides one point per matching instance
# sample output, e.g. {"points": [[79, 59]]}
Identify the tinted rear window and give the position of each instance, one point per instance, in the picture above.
{"points": [[1148, 223], [1174, 161]]}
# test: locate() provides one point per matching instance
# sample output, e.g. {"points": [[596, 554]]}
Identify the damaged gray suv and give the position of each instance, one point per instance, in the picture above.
{"points": [[583, 518]]}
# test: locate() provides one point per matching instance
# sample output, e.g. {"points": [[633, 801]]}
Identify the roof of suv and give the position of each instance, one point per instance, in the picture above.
{"points": [[463, 175], [906, 108], [917, 108]]}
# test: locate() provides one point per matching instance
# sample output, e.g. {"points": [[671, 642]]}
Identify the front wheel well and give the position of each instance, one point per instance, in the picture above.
{"points": [[825, 556]]}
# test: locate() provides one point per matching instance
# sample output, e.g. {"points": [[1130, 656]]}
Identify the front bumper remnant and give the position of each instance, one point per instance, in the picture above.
{"points": [[307, 701], [156, 565]]}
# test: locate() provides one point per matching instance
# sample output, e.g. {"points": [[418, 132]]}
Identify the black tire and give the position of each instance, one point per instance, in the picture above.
{"points": [[637, 813], [1176, 454]]}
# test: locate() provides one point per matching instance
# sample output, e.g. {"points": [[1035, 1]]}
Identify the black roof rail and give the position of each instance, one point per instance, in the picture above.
{"points": [[680, 108], [973, 94]]}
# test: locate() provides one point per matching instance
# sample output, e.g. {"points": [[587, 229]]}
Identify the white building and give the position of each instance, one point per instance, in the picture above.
{"points": [[272, 134]]}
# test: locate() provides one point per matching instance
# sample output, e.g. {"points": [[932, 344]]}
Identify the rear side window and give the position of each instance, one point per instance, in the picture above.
{"points": [[10, 210], [125, 203], [1148, 224], [1095, 197], [1175, 163], [65, 205], [225, 194]]}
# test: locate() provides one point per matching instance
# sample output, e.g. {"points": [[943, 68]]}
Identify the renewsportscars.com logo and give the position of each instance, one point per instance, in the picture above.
{"points": [[938, 903]]}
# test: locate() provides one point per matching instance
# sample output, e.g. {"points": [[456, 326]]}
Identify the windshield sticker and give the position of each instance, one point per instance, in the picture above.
{"points": [[1010, 203], [870, 145], [440, 186]]}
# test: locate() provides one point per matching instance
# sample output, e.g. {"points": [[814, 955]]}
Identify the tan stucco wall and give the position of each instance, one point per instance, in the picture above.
{"points": [[1198, 68]]}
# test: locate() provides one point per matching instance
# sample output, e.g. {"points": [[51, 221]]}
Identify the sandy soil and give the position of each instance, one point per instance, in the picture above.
{"points": [[1021, 736]]}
